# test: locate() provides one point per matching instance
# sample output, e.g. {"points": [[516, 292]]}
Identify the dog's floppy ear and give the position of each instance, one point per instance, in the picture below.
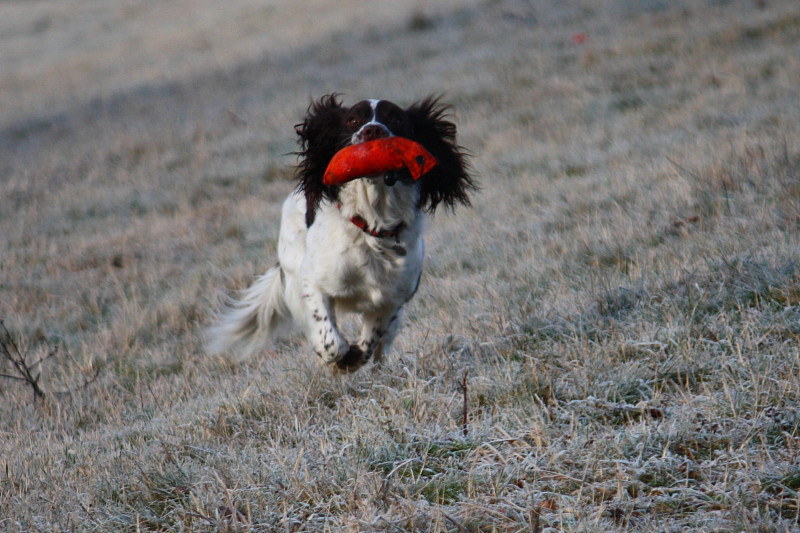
{"points": [[321, 135], [449, 182]]}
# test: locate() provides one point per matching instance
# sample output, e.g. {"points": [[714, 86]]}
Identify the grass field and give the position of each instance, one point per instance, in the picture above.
{"points": [[606, 341]]}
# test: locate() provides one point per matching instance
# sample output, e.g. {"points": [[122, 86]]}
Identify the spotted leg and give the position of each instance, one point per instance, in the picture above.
{"points": [[323, 334]]}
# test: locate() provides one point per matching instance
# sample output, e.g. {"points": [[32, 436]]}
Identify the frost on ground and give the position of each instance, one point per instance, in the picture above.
{"points": [[606, 341]]}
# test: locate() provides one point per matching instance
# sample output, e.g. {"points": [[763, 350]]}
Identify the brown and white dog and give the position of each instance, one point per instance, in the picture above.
{"points": [[355, 247]]}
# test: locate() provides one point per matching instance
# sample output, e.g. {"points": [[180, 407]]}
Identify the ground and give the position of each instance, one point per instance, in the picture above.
{"points": [[607, 340]]}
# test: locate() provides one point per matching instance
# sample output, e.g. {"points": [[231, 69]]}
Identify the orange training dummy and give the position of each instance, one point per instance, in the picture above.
{"points": [[377, 156]]}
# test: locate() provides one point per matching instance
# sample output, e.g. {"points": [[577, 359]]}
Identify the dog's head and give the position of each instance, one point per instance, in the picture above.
{"points": [[375, 119], [329, 126]]}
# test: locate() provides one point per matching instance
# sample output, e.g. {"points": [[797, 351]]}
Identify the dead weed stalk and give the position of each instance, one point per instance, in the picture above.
{"points": [[25, 370]]}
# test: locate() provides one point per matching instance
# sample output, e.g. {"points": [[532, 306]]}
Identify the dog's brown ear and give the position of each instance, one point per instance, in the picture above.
{"points": [[449, 182], [321, 135]]}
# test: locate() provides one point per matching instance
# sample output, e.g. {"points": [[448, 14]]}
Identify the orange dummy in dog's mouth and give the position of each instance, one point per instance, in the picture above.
{"points": [[378, 156]]}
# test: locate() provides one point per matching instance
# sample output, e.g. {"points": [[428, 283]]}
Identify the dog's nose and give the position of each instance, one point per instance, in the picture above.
{"points": [[372, 132]]}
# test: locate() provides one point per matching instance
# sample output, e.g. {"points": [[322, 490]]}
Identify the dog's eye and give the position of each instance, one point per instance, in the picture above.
{"points": [[354, 122]]}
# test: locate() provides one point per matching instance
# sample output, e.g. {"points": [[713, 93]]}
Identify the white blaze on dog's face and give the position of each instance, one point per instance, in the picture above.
{"points": [[374, 119]]}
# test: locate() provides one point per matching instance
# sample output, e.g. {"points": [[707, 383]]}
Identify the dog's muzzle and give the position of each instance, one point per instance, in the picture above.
{"points": [[393, 176]]}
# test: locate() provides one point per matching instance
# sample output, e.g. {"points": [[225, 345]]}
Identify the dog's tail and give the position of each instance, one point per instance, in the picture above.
{"points": [[261, 315]]}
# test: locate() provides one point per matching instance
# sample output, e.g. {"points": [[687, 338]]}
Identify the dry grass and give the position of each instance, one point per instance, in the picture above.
{"points": [[622, 303]]}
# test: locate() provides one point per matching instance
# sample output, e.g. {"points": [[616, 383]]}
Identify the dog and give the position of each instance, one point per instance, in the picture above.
{"points": [[356, 247]]}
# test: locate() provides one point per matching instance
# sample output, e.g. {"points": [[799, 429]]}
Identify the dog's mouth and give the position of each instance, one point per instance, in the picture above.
{"points": [[393, 176], [393, 159]]}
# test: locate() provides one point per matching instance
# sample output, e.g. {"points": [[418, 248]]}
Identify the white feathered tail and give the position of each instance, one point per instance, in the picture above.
{"points": [[261, 315]]}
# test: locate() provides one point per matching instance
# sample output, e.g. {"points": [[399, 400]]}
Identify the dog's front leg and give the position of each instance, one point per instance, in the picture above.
{"points": [[321, 328], [377, 333], [387, 334], [378, 330]]}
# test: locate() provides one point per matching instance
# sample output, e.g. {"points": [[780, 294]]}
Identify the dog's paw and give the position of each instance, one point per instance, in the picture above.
{"points": [[354, 359], [330, 346]]}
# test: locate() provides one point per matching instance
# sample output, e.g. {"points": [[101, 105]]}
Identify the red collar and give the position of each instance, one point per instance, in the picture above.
{"points": [[364, 226]]}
